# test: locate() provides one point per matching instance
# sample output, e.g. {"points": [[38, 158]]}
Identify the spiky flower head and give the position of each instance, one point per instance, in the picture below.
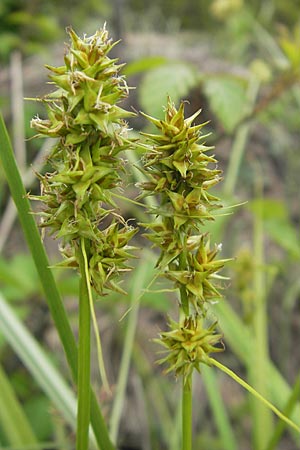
{"points": [[84, 117], [188, 345], [178, 169], [180, 174]]}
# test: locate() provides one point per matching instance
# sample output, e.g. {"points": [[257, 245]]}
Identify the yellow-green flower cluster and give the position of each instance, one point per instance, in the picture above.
{"points": [[189, 345], [89, 126], [180, 174]]}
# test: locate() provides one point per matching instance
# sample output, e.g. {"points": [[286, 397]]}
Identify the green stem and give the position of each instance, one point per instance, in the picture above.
{"points": [[52, 295], [183, 266], [187, 414], [84, 355]]}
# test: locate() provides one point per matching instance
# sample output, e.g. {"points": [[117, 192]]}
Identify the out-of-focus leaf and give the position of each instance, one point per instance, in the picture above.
{"points": [[143, 64], [13, 420], [277, 224], [174, 79], [291, 50], [38, 409], [227, 98], [18, 277]]}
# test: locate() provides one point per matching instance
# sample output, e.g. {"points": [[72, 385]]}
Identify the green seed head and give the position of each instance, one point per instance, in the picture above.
{"points": [[188, 345], [84, 117]]}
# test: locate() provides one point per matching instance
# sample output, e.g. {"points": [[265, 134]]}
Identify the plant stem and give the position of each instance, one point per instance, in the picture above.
{"points": [[84, 355], [187, 413]]}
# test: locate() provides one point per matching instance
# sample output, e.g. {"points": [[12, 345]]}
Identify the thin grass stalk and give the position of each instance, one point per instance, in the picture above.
{"points": [[242, 343], [84, 356], [187, 413], [52, 295], [256, 394]]}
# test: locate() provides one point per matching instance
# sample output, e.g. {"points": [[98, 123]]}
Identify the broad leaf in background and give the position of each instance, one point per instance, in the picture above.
{"points": [[227, 99], [143, 64], [174, 79]]}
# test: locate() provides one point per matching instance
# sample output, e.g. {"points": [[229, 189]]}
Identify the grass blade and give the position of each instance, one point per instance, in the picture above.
{"points": [[139, 281], [241, 342], [36, 361]]}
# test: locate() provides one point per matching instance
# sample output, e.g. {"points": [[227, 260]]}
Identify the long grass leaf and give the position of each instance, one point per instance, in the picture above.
{"points": [[240, 340], [34, 358], [137, 284], [256, 394]]}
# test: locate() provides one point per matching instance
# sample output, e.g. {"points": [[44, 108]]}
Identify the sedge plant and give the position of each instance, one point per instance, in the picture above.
{"points": [[84, 167], [90, 132], [180, 173]]}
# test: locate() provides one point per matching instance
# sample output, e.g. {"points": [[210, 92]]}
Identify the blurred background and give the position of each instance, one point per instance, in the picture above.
{"points": [[238, 61]]}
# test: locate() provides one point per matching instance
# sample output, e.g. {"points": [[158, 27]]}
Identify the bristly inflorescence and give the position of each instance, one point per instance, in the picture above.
{"points": [[84, 116], [180, 172]]}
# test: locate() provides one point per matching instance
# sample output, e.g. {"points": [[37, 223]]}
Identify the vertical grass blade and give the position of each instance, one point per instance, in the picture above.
{"points": [[13, 420], [257, 371], [135, 296], [36, 361], [219, 413], [52, 295]]}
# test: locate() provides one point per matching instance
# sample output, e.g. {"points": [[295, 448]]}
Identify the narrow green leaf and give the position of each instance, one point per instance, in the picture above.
{"points": [[257, 371], [13, 420], [239, 338], [34, 358], [256, 394], [138, 282]]}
